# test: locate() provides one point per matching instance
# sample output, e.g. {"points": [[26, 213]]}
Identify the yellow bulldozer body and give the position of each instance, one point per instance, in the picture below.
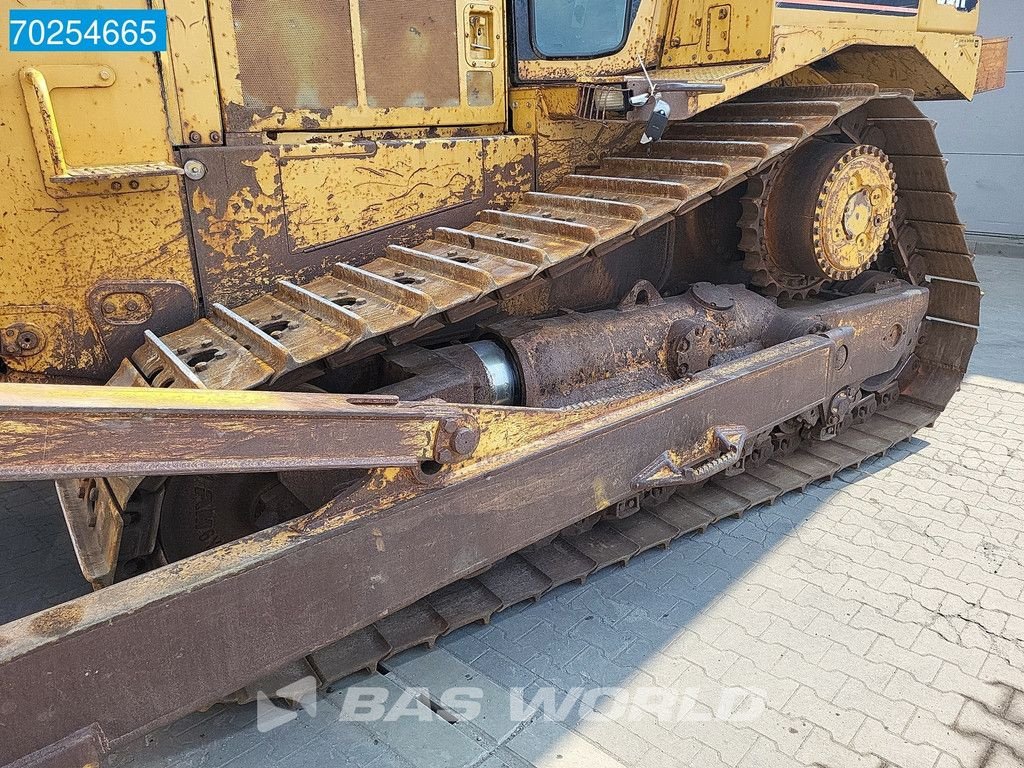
{"points": [[320, 145]]}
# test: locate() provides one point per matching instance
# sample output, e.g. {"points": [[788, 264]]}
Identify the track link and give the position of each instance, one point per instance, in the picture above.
{"points": [[409, 292], [412, 291]]}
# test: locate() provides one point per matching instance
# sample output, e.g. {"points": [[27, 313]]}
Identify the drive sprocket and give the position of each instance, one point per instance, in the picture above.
{"points": [[822, 215]]}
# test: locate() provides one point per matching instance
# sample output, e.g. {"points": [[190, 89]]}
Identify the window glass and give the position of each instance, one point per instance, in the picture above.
{"points": [[579, 28]]}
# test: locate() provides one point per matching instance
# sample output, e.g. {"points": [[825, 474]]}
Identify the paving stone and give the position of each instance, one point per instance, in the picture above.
{"points": [[547, 744], [421, 738], [440, 672]]}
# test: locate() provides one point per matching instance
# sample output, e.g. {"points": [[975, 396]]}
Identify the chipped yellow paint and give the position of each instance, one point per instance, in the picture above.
{"points": [[394, 182], [933, 65], [249, 216], [563, 143], [265, 168], [55, 252], [712, 32], [191, 89]]}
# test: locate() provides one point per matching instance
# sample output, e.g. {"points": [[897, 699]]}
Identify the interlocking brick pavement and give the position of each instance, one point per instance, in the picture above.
{"points": [[879, 617]]}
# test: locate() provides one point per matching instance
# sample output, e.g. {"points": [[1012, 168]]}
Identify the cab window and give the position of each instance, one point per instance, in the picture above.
{"points": [[579, 28]]}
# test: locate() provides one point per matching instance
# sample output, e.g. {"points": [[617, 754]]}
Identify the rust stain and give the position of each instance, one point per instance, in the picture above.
{"points": [[58, 620]]}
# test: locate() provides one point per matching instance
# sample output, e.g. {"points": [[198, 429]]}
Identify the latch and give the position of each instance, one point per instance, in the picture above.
{"points": [[481, 36]]}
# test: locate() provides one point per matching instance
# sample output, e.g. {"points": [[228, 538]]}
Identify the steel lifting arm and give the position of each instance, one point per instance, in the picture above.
{"points": [[50, 431]]}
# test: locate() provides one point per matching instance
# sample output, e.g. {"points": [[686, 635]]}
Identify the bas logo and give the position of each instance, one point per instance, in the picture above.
{"points": [[961, 5], [270, 716]]}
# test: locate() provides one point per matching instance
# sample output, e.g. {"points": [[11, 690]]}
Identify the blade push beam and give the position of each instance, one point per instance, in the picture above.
{"points": [[54, 431]]}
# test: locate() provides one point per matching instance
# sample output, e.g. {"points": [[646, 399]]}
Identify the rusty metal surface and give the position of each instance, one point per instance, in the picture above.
{"points": [[995, 53], [589, 213], [538, 443], [649, 342], [59, 431], [355, 553]]}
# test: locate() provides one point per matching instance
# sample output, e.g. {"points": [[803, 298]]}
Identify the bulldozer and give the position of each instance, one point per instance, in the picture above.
{"points": [[409, 312]]}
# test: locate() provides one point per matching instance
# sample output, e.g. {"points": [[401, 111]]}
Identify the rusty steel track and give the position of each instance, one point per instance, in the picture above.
{"points": [[534, 571], [458, 272]]}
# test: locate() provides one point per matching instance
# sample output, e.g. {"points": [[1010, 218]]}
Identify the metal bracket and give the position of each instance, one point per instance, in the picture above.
{"points": [[667, 470]]}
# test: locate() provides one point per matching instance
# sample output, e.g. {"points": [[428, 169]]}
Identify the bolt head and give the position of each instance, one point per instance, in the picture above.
{"points": [[28, 340], [194, 169], [465, 440]]}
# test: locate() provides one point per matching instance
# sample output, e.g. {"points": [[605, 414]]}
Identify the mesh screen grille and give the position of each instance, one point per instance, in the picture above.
{"points": [[296, 54], [411, 51]]}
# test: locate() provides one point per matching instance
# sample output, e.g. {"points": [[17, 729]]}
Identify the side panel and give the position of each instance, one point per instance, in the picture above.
{"points": [[87, 264], [894, 8], [956, 16], [270, 212], [718, 31], [950, 15], [307, 65]]}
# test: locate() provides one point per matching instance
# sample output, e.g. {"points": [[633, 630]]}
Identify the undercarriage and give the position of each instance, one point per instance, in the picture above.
{"points": [[649, 347]]}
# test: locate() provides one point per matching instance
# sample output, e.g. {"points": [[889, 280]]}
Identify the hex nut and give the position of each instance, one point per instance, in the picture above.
{"points": [[465, 440]]}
